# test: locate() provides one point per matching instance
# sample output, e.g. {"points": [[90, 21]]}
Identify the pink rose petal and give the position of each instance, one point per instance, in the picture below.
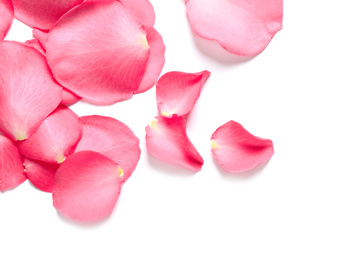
{"points": [[237, 150], [41, 35], [69, 98], [87, 186], [111, 138], [41, 174], [55, 139], [104, 59], [28, 92], [6, 17], [167, 140], [36, 45], [243, 27], [142, 9], [11, 165], [177, 92]]}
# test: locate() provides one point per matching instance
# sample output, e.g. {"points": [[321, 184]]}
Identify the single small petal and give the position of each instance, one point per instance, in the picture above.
{"points": [[87, 186], [243, 27], [69, 98], [167, 140], [41, 35], [104, 59], [6, 17], [28, 92], [111, 138], [237, 150], [36, 45], [177, 92], [55, 139], [11, 165], [41, 174]]}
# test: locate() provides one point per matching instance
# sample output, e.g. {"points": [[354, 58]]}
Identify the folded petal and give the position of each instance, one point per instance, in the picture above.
{"points": [[167, 140], [6, 17], [111, 138], [11, 165], [104, 59], [177, 92], [41, 35], [69, 98], [237, 150], [243, 27], [28, 92], [55, 139], [36, 45], [41, 174], [87, 186]]}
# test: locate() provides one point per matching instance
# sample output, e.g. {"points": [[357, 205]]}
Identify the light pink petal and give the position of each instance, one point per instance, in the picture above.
{"points": [[6, 17], [41, 174], [55, 139], [243, 27], [11, 165], [177, 92], [28, 92], [156, 60], [87, 186], [42, 13], [36, 45], [237, 150], [111, 138], [69, 98], [168, 141], [142, 9], [104, 59], [41, 35]]}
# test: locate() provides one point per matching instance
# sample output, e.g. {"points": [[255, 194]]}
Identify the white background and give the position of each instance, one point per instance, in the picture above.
{"points": [[301, 92]]}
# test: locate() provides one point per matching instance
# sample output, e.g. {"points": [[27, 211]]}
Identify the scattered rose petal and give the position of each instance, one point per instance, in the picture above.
{"points": [[243, 27], [6, 17], [41, 35], [167, 140], [111, 138], [237, 150], [177, 92], [11, 165], [28, 92], [142, 9], [36, 45], [55, 139], [41, 174], [87, 186], [69, 98]]}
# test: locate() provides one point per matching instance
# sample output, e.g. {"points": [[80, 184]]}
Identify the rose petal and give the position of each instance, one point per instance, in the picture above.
{"points": [[104, 59], [87, 186], [111, 138], [6, 17], [177, 92], [28, 92], [243, 27], [142, 9], [11, 165], [167, 140], [41, 174], [237, 150], [55, 139], [36, 45], [41, 35], [69, 98]]}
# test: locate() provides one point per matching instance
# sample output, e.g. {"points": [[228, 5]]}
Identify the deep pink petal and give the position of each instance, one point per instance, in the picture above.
{"points": [[156, 60], [28, 92], [87, 186], [168, 141], [69, 98], [243, 27], [41, 174], [111, 138], [142, 9], [104, 59], [36, 45], [42, 13], [177, 92], [41, 35], [11, 165], [55, 139], [237, 150], [6, 17]]}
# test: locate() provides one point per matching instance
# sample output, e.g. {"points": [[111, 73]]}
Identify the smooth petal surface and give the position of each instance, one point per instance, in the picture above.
{"points": [[11, 165], [167, 140], [142, 9], [55, 139], [28, 92], [41, 174], [41, 35], [177, 92], [243, 27], [6, 17], [111, 138], [237, 150], [69, 98], [87, 186], [36, 45], [104, 59]]}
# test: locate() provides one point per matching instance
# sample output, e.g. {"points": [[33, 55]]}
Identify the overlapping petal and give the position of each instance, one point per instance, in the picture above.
{"points": [[142, 9], [111, 138], [69, 98], [237, 150], [167, 140], [28, 92], [36, 45], [177, 92], [41, 35], [87, 186], [11, 165], [55, 139], [243, 27], [41, 174], [6, 17]]}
